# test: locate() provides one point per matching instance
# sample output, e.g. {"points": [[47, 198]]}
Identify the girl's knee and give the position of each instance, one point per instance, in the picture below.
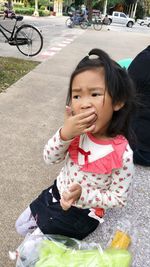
{"points": [[19, 228], [21, 224], [24, 228]]}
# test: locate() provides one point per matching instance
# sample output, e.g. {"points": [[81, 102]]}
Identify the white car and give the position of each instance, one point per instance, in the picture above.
{"points": [[121, 18], [145, 21]]}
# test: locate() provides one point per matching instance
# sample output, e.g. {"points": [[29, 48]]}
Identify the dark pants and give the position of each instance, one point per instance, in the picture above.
{"points": [[52, 219]]}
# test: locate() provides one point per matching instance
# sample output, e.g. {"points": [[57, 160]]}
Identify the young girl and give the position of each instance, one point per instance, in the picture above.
{"points": [[98, 166]]}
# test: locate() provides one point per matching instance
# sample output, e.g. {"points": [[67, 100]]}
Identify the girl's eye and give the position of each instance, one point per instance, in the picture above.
{"points": [[96, 94], [76, 97]]}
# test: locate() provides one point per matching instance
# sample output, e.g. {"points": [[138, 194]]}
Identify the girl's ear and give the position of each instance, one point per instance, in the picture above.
{"points": [[118, 106]]}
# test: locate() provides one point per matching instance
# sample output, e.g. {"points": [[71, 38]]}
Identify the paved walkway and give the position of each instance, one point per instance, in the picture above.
{"points": [[30, 111]]}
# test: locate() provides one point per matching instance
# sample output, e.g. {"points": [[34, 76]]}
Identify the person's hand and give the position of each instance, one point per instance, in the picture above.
{"points": [[77, 124], [69, 197]]}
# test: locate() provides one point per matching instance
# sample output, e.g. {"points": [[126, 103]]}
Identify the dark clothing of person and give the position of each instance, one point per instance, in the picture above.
{"points": [[106, 20], [139, 70], [52, 219]]}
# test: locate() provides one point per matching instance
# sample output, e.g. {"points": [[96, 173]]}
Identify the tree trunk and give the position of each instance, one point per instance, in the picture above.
{"points": [[134, 11], [89, 7], [105, 8], [10, 5]]}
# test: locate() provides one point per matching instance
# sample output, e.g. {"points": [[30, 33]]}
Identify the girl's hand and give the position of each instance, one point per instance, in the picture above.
{"points": [[69, 197], [76, 125], [65, 204]]}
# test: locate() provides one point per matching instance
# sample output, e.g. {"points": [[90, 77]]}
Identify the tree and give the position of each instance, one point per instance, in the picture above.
{"points": [[89, 7], [147, 6]]}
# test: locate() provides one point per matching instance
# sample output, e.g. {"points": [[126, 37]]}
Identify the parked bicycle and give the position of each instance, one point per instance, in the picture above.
{"points": [[76, 19], [96, 22], [27, 38]]}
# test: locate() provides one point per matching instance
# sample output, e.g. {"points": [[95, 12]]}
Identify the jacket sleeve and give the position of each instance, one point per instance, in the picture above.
{"points": [[117, 193], [56, 149]]}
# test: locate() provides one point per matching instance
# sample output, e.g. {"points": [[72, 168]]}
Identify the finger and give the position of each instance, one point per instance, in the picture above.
{"points": [[69, 196], [89, 129], [90, 124], [65, 205], [88, 119], [66, 195], [74, 195], [85, 114], [68, 112], [74, 187]]}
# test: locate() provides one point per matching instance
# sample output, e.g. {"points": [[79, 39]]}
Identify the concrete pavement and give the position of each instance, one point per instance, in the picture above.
{"points": [[30, 112]]}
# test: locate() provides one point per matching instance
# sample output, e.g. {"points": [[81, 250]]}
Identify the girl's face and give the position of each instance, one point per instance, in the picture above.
{"points": [[89, 92]]}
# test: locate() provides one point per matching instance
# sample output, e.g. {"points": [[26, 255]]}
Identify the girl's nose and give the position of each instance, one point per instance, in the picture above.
{"points": [[86, 104]]}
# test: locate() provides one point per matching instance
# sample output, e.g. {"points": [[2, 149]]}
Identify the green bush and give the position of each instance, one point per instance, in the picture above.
{"points": [[42, 7], [30, 10], [1, 8], [24, 11], [43, 2], [31, 3], [43, 13], [18, 5]]}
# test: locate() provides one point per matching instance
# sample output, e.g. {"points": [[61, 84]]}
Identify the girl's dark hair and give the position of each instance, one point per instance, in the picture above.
{"points": [[119, 86]]}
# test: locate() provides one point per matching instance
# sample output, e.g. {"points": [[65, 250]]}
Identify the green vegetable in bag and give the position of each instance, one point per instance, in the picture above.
{"points": [[55, 254]]}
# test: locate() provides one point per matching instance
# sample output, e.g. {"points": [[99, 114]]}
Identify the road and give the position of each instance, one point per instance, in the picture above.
{"points": [[56, 35], [135, 29]]}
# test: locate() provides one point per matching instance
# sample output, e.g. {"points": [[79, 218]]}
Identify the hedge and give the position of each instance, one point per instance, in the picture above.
{"points": [[30, 10], [24, 11]]}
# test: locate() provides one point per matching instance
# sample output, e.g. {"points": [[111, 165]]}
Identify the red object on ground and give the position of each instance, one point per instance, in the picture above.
{"points": [[99, 212]]}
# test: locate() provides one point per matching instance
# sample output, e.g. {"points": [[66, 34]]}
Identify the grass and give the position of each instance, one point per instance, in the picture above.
{"points": [[12, 69]]}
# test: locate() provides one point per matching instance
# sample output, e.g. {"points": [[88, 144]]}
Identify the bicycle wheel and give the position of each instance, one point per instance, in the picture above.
{"points": [[84, 25], [29, 40], [69, 23], [97, 25]]}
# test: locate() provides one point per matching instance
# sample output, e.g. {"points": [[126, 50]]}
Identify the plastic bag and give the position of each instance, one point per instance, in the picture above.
{"points": [[39, 250], [57, 254]]}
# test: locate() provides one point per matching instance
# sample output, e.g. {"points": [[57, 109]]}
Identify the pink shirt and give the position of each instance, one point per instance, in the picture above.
{"points": [[103, 168]]}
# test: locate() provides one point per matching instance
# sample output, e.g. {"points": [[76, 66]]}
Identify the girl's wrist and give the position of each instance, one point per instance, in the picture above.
{"points": [[64, 136]]}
